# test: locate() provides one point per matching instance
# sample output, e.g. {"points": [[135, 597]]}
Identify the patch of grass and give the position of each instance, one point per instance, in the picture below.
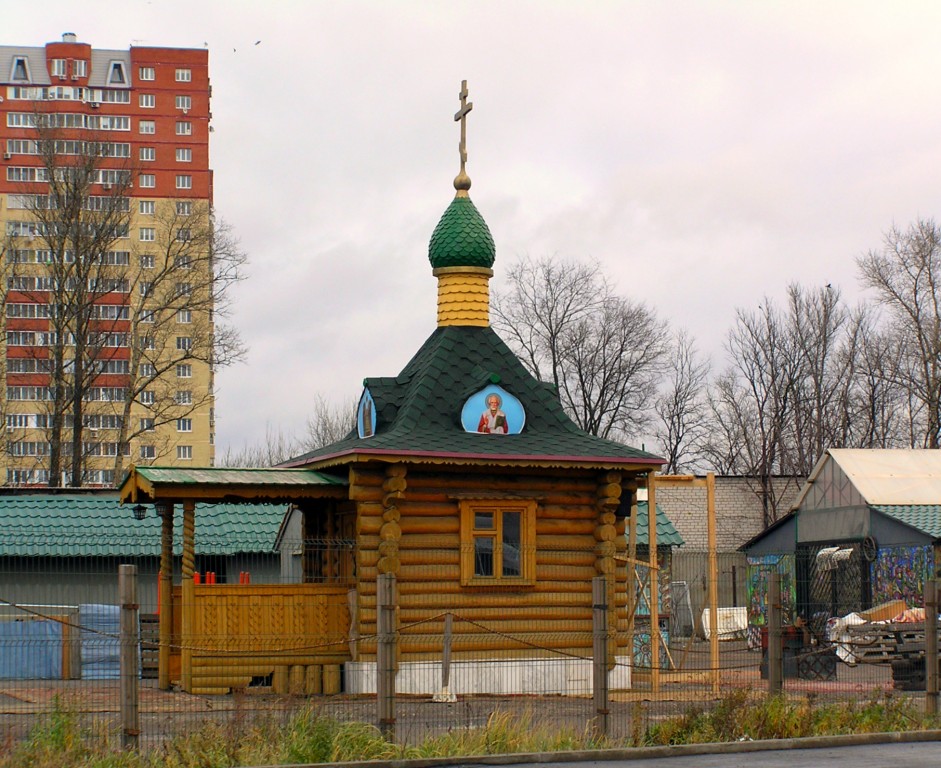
{"points": [[59, 739], [744, 716]]}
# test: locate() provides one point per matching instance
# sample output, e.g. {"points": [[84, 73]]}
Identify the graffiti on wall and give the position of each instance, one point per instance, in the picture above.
{"points": [[759, 577], [899, 573]]}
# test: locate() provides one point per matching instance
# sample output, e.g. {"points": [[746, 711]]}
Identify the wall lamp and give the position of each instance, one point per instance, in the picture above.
{"points": [[140, 511], [163, 508]]}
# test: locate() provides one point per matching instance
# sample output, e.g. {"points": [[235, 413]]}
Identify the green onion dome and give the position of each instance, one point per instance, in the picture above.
{"points": [[462, 237]]}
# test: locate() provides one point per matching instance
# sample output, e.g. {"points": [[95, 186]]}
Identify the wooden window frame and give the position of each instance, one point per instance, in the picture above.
{"points": [[469, 534]]}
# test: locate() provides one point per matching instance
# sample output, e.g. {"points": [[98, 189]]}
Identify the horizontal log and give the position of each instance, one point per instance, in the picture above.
{"points": [[420, 573], [585, 511], [366, 493], [552, 542], [266, 658], [488, 645], [199, 691], [220, 681], [414, 557], [536, 616], [567, 572], [443, 601], [494, 481], [359, 476], [546, 527]]}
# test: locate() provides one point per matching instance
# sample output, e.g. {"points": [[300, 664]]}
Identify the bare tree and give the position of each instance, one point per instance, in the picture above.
{"points": [[328, 423], [604, 354], [682, 409], [755, 398], [181, 288], [73, 277], [905, 275], [123, 324]]}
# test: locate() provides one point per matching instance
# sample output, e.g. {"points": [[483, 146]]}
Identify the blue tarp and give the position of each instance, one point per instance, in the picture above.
{"points": [[101, 646], [30, 650]]}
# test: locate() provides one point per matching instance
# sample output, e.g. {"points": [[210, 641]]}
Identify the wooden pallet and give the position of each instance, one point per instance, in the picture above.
{"points": [[884, 643]]}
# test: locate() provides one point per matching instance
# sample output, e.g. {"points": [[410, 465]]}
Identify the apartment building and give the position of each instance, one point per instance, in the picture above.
{"points": [[105, 208]]}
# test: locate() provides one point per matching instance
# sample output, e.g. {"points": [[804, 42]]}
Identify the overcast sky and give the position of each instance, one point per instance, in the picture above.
{"points": [[705, 153]]}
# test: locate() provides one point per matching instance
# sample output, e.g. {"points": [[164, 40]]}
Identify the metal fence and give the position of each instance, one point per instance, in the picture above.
{"points": [[578, 658]]}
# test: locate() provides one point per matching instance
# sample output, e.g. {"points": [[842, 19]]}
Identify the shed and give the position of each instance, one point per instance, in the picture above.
{"points": [[863, 530]]}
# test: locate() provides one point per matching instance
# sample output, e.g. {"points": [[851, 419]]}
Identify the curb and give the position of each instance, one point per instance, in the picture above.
{"points": [[643, 753]]}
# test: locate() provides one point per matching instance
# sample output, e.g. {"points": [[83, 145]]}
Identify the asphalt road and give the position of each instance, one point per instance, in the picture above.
{"points": [[912, 755]]}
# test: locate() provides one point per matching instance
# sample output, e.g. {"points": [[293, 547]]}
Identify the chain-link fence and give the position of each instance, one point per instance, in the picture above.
{"points": [[261, 632]]}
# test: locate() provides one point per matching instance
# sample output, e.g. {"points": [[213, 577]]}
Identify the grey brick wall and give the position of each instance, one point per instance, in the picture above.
{"points": [[738, 510]]}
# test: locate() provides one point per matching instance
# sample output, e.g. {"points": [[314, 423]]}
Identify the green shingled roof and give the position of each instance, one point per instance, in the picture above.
{"points": [[418, 412], [924, 517], [47, 525], [667, 535], [462, 238]]}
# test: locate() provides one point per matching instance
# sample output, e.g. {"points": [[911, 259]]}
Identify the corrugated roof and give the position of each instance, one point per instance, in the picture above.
{"points": [[667, 535], [924, 517], [38, 525], [232, 476], [892, 476]]}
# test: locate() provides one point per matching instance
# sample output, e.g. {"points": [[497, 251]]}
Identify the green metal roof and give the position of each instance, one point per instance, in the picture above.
{"points": [[418, 412], [667, 535], [924, 517], [41, 525], [232, 476], [462, 238]]}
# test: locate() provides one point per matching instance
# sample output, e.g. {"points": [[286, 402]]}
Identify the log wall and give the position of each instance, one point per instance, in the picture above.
{"points": [[408, 523]]}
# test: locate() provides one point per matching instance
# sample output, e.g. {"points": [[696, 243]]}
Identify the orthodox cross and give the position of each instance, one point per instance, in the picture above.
{"points": [[461, 115]]}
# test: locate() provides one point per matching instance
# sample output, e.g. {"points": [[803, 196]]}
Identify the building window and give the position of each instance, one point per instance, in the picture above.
{"points": [[184, 75], [183, 397], [148, 451], [184, 128], [147, 370], [148, 234], [147, 100], [148, 154], [184, 343], [184, 102], [184, 155], [20, 69], [147, 397], [184, 316], [147, 261], [184, 451], [147, 180], [147, 425], [146, 73], [184, 371], [184, 181], [184, 425], [184, 207], [498, 542], [148, 316], [116, 75], [79, 67], [60, 67], [146, 288], [147, 208], [147, 126]]}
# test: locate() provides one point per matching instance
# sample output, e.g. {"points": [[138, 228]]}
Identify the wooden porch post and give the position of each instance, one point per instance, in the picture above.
{"points": [[654, 582], [165, 627], [188, 592]]}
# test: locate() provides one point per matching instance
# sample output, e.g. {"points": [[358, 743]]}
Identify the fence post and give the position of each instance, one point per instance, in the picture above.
{"points": [[931, 646], [599, 625], [129, 656], [385, 655], [775, 639]]}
